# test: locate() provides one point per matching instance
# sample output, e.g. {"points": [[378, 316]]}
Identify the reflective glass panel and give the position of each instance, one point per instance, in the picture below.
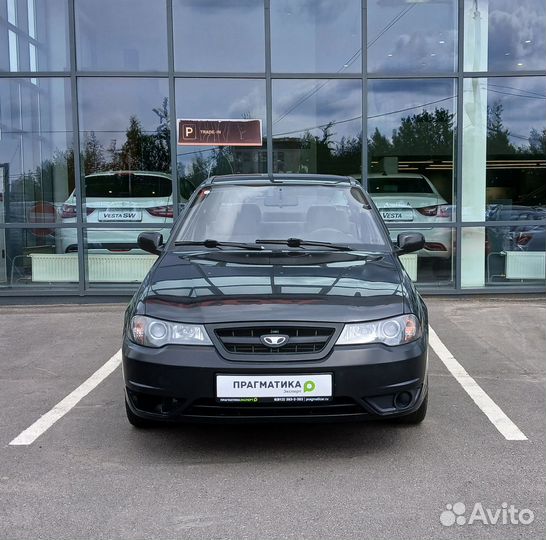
{"points": [[36, 149], [220, 99], [412, 36], [33, 258], [125, 35], [34, 35], [112, 257], [317, 126], [504, 149], [215, 35], [411, 134], [504, 35], [435, 264], [316, 36], [503, 255], [125, 149]]}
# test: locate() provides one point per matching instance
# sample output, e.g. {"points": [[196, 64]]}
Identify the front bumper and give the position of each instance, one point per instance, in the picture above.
{"points": [[178, 383]]}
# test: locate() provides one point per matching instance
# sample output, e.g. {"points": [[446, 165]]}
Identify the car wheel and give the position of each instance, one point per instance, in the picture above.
{"points": [[137, 421], [417, 416]]}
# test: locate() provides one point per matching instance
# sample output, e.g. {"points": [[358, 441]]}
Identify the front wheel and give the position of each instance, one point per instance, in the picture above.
{"points": [[137, 421], [417, 416]]}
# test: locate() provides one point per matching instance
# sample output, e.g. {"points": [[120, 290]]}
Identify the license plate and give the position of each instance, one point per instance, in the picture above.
{"points": [[120, 215], [274, 388], [397, 215]]}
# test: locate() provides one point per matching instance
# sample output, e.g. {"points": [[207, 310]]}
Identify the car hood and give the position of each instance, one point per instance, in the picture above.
{"points": [[273, 286]]}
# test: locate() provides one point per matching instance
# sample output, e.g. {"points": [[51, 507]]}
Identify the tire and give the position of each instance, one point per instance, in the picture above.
{"points": [[137, 421], [415, 417]]}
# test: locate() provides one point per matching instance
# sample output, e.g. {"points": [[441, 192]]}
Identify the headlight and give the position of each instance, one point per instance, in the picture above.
{"points": [[156, 333], [395, 331]]}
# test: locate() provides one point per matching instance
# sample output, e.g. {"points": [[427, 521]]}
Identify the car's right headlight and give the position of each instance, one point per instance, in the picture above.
{"points": [[393, 331], [152, 332]]}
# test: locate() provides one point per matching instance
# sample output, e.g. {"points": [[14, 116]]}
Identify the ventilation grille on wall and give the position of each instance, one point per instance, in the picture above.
{"points": [[525, 265], [102, 268]]}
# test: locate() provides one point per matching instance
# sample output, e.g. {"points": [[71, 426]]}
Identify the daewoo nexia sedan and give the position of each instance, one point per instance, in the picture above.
{"points": [[277, 298]]}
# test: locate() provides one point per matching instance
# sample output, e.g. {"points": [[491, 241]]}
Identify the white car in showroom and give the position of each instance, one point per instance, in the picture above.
{"points": [[120, 197], [412, 198]]}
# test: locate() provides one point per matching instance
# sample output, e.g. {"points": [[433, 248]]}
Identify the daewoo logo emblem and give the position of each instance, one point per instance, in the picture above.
{"points": [[274, 340]]}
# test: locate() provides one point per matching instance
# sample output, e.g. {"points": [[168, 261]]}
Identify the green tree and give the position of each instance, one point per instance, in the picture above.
{"points": [[498, 137], [429, 133]]}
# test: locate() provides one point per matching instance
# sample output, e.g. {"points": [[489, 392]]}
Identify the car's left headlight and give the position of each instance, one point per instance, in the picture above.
{"points": [[394, 331], [156, 332]]}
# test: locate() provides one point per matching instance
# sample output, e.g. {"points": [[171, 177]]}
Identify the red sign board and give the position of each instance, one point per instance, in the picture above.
{"points": [[193, 132]]}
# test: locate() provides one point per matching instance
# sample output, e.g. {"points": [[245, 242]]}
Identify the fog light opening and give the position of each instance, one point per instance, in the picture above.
{"points": [[402, 400]]}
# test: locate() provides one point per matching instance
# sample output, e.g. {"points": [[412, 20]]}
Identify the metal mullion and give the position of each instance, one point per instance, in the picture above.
{"points": [[218, 75], [76, 145], [487, 74], [172, 111], [26, 225], [321, 75], [364, 105], [33, 74], [441, 75], [129, 225], [420, 225], [268, 87], [125, 74], [459, 148]]}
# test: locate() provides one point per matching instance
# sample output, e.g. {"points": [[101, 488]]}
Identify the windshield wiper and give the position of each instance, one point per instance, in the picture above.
{"points": [[209, 243], [298, 242]]}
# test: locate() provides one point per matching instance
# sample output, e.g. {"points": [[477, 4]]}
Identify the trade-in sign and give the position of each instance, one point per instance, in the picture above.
{"points": [[195, 132]]}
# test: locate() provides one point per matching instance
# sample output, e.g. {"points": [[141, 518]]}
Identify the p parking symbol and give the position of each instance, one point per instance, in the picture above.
{"points": [[189, 131]]}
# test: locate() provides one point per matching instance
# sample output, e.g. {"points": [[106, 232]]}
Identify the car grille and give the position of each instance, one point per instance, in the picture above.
{"points": [[301, 339]]}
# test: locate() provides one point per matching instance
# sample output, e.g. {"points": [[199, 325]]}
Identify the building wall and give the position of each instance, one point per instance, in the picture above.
{"points": [[451, 90]]}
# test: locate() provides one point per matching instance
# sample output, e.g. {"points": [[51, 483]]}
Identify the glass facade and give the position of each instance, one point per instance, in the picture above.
{"points": [[438, 108]]}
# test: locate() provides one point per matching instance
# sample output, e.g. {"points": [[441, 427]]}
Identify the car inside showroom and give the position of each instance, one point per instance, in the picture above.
{"points": [[113, 112]]}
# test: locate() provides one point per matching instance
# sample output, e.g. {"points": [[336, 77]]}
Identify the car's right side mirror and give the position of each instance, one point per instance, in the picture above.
{"points": [[152, 242], [409, 242]]}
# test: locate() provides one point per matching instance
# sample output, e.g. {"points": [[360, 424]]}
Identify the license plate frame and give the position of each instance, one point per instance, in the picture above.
{"points": [[120, 215], [397, 214], [313, 387]]}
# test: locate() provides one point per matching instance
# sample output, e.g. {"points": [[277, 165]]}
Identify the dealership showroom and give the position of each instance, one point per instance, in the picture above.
{"points": [[271, 377], [91, 91]]}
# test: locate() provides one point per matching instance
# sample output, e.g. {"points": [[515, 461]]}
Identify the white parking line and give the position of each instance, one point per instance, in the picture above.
{"points": [[495, 414], [49, 418], [498, 418]]}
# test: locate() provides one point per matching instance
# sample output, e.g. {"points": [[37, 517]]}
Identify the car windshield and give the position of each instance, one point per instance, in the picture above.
{"points": [[241, 213], [127, 185], [409, 184]]}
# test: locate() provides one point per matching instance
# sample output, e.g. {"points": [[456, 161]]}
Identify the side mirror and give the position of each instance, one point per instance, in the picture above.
{"points": [[408, 242], [151, 242]]}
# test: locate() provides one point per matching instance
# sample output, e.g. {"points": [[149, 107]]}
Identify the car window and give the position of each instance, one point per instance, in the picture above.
{"points": [[126, 185], [388, 185], [310, 212]]}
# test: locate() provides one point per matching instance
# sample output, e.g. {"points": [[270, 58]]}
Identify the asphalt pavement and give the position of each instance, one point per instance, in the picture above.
{"points": [[92, 475]]}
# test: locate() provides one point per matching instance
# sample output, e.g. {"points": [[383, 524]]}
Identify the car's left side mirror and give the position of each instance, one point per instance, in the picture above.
{"points": [[152, 242], [409, 242]]}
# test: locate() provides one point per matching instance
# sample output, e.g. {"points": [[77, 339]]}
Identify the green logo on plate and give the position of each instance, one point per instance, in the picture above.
{"points": [[309, 386]]}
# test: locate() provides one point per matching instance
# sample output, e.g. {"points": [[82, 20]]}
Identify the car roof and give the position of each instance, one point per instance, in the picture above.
{"points": [[281, 178], [140, 173]]}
